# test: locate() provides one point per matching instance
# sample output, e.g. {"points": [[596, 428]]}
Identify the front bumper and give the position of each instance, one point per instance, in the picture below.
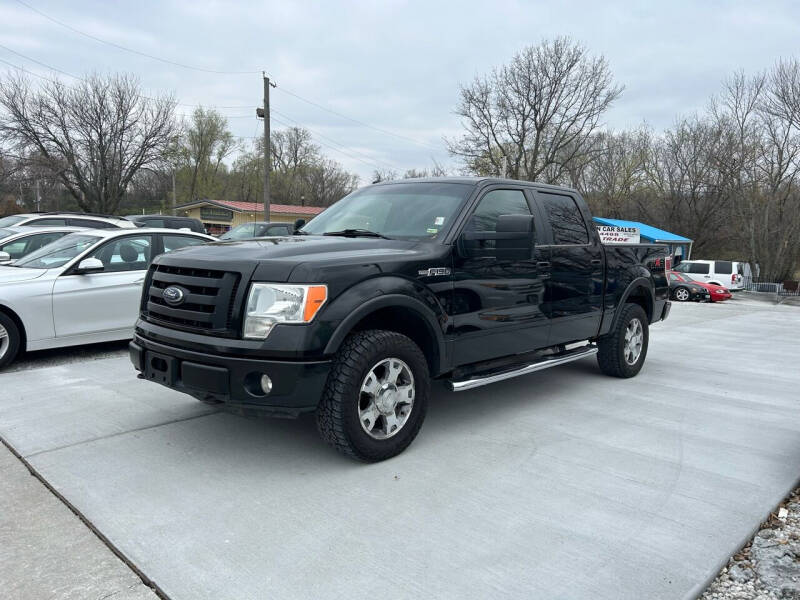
{"points": [[234, 382]]}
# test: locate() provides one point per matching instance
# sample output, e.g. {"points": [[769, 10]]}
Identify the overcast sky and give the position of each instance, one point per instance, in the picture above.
{"points": [[397, 65]]}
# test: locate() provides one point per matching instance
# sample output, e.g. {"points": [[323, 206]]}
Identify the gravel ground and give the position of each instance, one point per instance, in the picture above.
{"points": [[768, 567]]}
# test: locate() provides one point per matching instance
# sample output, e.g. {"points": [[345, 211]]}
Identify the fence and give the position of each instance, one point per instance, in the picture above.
{"points": [[787, 288]]}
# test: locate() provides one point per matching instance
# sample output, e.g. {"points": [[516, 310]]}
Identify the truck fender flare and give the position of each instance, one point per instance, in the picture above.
{"points": [[642, 282], [389, 301]]}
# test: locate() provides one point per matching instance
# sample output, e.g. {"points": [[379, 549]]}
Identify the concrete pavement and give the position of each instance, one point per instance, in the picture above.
{"points": [[563, 484]]}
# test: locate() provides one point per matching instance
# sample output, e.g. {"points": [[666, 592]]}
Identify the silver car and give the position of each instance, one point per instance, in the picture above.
{"points": [[83, 288]]}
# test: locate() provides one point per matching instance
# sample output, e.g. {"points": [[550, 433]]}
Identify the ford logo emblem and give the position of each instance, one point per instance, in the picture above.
{"points": [[173, 295]]}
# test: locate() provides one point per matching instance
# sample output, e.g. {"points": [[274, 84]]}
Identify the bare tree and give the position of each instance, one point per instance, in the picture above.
{"points": [[94, 136], [532, 118], [205, 144]]}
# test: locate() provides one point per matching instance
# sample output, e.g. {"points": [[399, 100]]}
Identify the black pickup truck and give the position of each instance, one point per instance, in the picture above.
{"points": [[469, 280]]}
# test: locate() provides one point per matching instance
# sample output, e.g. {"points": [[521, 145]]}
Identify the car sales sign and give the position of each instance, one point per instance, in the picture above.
{"points": [[611, 234]]}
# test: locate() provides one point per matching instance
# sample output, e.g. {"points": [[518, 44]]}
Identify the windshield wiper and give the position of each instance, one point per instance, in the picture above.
{"points": [[356, 233]]}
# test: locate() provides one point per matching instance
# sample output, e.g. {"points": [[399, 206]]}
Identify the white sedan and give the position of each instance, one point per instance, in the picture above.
{"points": [[83, 288]]}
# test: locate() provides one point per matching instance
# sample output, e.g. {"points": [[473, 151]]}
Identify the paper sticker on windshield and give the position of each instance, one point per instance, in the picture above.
{"points": [[433, 230], [438, 221]]}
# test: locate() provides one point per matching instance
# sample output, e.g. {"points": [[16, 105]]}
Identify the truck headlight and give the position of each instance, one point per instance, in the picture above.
{"points": [[271, 303]]}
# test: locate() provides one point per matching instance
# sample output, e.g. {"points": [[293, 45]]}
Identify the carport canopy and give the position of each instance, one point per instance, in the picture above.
{"points": [[679, 245]]}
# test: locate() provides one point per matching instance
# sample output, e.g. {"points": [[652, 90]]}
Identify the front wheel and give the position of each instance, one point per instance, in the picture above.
{"points": [[621, 353], [376, 396], [10, 340], [681, 294]]}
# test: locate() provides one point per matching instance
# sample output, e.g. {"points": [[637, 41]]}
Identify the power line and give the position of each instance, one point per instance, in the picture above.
{"points": [[333, 141], [201, 69], [126, 49], [362, 123], [57, 70]]}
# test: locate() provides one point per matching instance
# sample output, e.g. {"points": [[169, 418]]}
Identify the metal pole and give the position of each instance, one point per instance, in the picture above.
{"points": [[266, 147]]}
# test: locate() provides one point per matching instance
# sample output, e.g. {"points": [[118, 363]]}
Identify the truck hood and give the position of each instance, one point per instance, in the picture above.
{"points": [[15, 274], [273, 259]]}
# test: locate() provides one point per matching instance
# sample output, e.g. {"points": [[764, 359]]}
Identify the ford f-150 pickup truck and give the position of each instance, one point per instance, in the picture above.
{"points": [[467, 280]]}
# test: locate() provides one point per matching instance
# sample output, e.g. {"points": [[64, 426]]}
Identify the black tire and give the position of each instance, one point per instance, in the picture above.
{"points": [[338, 418], [684, 293], [9, 347], [611, 356]]}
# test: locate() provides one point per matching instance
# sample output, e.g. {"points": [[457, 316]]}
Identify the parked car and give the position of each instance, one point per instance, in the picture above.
{"points": [[16, 242], [168, 221], [64, 219], [726, 273], [684, 289], [718, 293], [257, 229], [82, 288], [468, 280]]}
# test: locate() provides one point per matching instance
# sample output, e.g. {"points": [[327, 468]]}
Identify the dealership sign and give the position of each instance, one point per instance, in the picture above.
{"points": [[610, 234]]}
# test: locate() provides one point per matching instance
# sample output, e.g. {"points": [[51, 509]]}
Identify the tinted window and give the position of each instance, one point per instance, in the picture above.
{"points": [[673, 277], [700, 268], [173, 242], [132, 253], [277, 230], [494, 204], [154, 222], [566, 220], [48, 222], [21, 247], [723, 266], [91, 223]]}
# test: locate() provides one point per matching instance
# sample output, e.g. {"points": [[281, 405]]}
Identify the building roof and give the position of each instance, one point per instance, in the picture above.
{"points": [[654, 234], [278, 209]]}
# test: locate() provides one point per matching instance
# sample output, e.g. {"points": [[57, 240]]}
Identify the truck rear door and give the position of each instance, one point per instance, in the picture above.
{"points": [[574, 290]]}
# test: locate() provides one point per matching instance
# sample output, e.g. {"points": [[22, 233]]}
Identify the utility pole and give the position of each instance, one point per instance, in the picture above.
{"points": [[174, 195], [264, 113]]}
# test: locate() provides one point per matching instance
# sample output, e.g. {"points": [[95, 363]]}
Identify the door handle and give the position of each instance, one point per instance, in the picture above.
{"points": [[596, 262], [543, 265]]}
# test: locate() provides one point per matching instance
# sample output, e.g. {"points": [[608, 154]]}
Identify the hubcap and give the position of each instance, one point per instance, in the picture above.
{"points": [[4, 341], [386, 398], [634, 340], [682, 295]]}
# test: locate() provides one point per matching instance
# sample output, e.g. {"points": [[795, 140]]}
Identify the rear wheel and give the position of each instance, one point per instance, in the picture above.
{"points": [[376, 396], [622, 352], [9, 340], [681, 294]]}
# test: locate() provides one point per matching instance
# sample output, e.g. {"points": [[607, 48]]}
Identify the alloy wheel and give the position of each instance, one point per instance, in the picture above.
{"points": [[634, 340], [386, 398]]}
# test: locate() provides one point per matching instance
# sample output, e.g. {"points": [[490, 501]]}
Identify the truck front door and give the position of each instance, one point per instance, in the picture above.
{"points": [[574, 291], [497, 302]]}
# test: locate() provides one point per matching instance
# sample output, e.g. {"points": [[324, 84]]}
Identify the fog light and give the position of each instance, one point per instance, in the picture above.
{"points": [[266, 384]]}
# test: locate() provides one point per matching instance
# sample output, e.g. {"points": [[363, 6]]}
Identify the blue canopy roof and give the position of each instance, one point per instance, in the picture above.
{"points": [[646, 231]]}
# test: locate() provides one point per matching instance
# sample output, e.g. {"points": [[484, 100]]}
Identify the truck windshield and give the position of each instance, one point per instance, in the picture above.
{"points": [[397, 210], [59, 252]]}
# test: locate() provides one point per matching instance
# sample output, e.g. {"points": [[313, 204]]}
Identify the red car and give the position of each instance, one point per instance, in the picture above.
{"points": [[717, 293]]}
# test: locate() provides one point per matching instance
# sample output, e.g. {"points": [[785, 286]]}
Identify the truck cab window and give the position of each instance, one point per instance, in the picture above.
{"points": [[566, 220]]}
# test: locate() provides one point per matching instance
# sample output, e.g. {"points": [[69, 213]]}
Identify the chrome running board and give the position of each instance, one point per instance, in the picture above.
{"points": [[545, 363]]}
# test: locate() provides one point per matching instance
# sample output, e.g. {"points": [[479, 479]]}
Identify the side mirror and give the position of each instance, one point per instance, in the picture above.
{"points": [[4, 257], [513, 239], [89, 265], [299, 223]]}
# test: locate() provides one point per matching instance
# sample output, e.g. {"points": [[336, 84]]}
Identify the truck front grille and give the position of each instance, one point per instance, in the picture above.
{"points": [[210, 302]]}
